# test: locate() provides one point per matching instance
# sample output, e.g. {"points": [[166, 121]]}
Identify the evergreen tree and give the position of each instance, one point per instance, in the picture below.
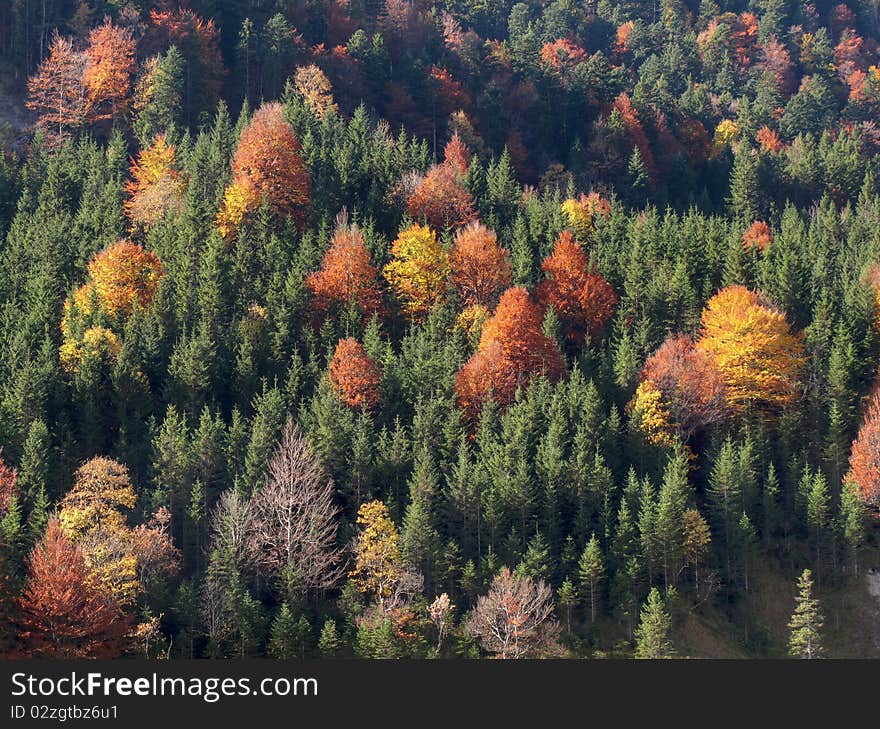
{"points": [[591, 570], [806, 622], [652, 635]]}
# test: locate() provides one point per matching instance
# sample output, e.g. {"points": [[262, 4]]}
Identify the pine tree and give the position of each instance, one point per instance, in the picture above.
{"points": [[652, 635], [744, 186], [328, 643], [671, 503], [282, 640], [852, 522], [566, 598], [724, 496], [591, 571], [806, 622]]}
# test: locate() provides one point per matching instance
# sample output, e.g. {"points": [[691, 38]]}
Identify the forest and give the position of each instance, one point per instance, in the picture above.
{"points": [[439, 329]]}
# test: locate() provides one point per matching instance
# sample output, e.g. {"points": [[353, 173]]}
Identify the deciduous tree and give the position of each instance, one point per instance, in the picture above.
{"points": [[347, 276], [512, 351], [864, 460], [355, 377], [63, 615], [267, 161], [296, 518], [418, 270], [691, 389], [753, 347], [515, 619], [582, 299], [108, 71], [480, 266], [156, 186]]}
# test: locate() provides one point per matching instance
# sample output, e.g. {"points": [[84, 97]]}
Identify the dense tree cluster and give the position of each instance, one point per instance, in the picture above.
{"points": [[413, 329]]}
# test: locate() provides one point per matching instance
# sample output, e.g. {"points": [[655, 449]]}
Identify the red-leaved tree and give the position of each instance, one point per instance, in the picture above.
{"points": [[62, 614], [864, 460], [354, 376], [441, 197], [512, 351], [693, 390], [581, 297], [480, 266], [347, 275], [268, 157]]}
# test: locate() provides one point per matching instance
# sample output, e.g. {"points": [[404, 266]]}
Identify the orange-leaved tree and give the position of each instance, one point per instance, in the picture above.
{"points": [[267, 162], [512, 351], [125, 274], [753, 347], [56, 91], [441, 197], [758, 236], [864, 460], [63, 614], [354, 376], [108, 72], [691, 391], [581, 297], [347, 275], [480, 266], [418, 270], [156, 185]]}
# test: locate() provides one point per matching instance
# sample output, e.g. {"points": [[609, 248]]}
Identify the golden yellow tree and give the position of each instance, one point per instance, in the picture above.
{"points": [[92, 516], [753, 348], [377, 552], [315, 88], [418, 270], [651, 415]]}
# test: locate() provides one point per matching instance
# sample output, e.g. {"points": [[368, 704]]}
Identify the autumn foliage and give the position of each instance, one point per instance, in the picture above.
{"points": [[512, 351], [752, 346], [267, 162], [93, 516], [347, 275], [63, 614], [441, 198], [864, 460], [74, 87], [124, 274], [680, 392], [355, 377], [758, 236], [108, 71], [480, 266], [580, 296], [156, 185], [418, 270], [582, 211]]}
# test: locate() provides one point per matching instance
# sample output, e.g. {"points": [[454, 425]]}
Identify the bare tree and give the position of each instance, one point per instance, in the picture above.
{"points": [[514, 620], [296, 524], [232, 528]]}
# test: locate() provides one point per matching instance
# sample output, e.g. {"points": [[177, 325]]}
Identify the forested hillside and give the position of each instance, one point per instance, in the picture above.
{"points": [[390, 328]]}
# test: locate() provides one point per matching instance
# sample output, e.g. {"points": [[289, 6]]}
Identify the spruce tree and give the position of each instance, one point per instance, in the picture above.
{"points": [[806, 622], [591, 571], [652, 635]]}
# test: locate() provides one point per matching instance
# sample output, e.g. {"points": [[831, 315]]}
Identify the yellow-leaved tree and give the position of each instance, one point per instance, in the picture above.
{"points": [[378, 566], [418, 270], [753, 348], [119, 558]]}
